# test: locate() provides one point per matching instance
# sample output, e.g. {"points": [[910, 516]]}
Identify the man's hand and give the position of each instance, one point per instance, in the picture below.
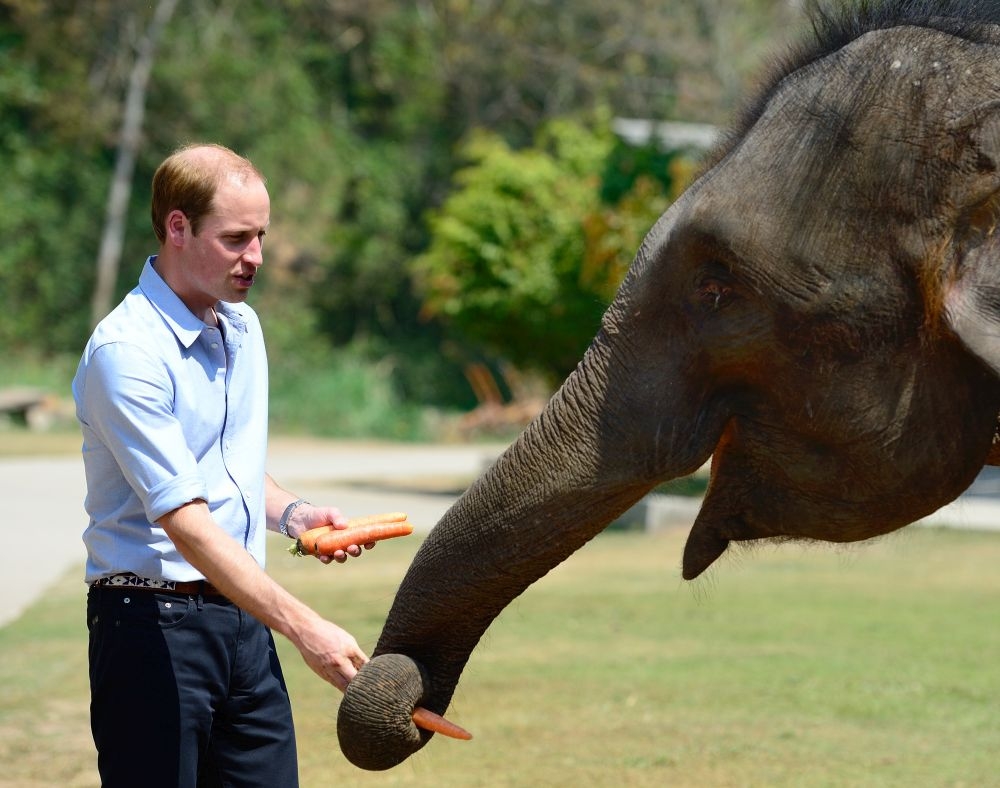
{"points": [[315, 516], [332, 653]]}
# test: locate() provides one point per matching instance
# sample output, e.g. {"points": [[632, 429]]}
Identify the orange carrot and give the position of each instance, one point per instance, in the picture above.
{"points": [[429, 721], [306, 543], [373, 519], [341, 539]]}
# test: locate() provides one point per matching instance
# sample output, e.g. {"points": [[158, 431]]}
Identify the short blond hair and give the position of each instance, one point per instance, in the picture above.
{"points": [[188, 179]]}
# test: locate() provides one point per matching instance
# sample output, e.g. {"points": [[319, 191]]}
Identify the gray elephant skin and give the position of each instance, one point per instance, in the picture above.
{"points": [[819, 314]]}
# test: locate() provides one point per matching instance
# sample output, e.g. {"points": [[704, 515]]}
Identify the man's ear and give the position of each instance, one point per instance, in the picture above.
{"points": [[972, 298], [176, 226]]}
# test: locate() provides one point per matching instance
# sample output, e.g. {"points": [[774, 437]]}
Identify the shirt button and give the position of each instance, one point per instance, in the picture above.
{"points": [[215, 346]]}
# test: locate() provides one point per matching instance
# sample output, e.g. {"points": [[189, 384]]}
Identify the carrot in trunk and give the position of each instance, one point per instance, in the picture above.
{"points": [[429, 721]]}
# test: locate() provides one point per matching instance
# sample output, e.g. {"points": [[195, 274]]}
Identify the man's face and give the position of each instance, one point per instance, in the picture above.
{"points": [[221, 261]]}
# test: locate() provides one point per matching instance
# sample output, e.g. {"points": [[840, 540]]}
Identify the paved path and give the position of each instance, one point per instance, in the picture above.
{"points": [[43, 500], [977, 509], [44, 517]]}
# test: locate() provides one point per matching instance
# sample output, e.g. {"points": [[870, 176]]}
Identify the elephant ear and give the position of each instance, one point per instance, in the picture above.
{"points": [[972, 298]]}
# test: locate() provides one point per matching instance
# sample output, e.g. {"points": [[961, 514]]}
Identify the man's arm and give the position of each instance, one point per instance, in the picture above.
{"points": [[329, 650]]}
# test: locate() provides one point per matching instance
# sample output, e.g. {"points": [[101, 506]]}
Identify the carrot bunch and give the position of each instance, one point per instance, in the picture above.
{"points": [[327, 539]]}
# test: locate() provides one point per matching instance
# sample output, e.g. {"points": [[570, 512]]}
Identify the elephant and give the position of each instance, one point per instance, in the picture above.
{"points": [[817, 315]]}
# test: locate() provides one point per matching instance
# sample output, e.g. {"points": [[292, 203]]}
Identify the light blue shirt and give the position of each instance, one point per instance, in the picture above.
{"points": [[172, 410]]}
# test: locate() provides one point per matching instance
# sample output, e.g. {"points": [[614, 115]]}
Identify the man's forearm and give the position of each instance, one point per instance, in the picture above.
{"points": [[276, 500], [232, 570], [330, 651]]}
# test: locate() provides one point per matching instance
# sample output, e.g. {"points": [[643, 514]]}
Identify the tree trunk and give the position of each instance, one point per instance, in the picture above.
{"points": [[110, 252]]}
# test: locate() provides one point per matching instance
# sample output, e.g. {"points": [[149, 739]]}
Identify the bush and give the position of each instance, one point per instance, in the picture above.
{"points": [[339, 393], [317, 389], [530, 247]]}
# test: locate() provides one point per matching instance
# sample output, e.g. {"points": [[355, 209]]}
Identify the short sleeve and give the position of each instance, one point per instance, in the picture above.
{"points": [[126, 399]]}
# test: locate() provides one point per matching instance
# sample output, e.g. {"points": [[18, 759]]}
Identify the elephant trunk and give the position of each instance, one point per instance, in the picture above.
{"points": [[556, 487]]}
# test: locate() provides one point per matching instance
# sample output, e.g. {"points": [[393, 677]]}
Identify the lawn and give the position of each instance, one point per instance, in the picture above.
{"points": [[874, 665]]}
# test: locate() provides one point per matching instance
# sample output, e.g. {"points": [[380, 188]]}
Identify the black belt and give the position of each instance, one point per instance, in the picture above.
{"points": [[131, 582]]}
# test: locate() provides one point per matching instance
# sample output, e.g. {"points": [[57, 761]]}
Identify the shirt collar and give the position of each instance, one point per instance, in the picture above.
{"points": [[232, 316], [182, 321]]}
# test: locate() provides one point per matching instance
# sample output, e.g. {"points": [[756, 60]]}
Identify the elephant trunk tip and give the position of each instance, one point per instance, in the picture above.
{"points": [[375, 723]]}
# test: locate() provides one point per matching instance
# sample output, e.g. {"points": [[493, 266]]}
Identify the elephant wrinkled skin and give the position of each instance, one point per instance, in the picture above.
{"points": [[819, 313]]}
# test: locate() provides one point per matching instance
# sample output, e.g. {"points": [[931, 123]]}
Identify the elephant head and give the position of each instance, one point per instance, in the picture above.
{"points": [[819, 313]]}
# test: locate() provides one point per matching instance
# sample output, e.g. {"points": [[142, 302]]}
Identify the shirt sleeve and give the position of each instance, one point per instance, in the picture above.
{"points": [[127, 400]]}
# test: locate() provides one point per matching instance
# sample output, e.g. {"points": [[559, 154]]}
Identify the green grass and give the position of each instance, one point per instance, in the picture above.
{"points": [[341, 395], [874, 665], [51, 373]]}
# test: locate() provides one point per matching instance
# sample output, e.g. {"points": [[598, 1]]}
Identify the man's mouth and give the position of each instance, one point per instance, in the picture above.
{"points": [[245, 280]]}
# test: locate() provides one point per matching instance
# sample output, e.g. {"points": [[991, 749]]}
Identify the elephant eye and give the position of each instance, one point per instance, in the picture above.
{"points": [[714, 293]]}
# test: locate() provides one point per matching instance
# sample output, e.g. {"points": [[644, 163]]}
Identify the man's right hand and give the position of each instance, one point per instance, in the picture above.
{"points": [[332, 652]]}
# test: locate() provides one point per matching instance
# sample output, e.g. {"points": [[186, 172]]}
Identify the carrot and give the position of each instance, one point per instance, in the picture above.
{"points": [[341, 539], [306, 544], [429, 721], [373, 519]]}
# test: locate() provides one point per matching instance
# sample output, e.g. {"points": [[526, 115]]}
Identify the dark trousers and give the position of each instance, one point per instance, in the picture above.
{"points": [[185, 691]]}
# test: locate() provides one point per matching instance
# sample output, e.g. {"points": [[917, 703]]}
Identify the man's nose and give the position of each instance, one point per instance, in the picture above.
{"points": [[254, 253]]}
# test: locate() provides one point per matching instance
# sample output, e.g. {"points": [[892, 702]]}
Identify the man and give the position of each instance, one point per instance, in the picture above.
{"points": [[171, 395]]}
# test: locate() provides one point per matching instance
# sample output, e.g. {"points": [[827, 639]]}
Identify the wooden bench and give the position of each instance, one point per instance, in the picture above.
{"points": [[26, 405]]}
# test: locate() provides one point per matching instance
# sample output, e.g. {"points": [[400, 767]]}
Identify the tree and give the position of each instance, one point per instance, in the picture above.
{"points": [[525, 255], [357, 110], [50, 152], [110, 251]]}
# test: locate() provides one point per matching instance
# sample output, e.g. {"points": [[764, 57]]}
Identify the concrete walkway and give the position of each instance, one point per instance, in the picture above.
{"points": [[43, 500], [40, 538]]}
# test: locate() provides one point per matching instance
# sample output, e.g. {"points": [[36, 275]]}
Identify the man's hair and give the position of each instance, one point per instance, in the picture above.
{"points": [[188, 179]]}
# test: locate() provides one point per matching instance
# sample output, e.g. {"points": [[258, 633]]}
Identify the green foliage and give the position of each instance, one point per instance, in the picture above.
{"points": [[626, 165], [525, 256], [318, 389], [53, 374], [56, 171], [504, 253], [354, 111], [45, 265], [339, 393]]}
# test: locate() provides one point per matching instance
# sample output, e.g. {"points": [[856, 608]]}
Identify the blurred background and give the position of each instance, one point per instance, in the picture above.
{"points": [[457, 186]]}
